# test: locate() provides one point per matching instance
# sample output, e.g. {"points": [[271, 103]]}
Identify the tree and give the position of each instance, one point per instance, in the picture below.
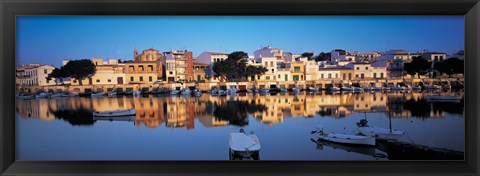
{"points": [[323, 56], [79, 69], [418, 65], [235, 67], [453, 66], [57, 74], [308, 55], [254, 71]]}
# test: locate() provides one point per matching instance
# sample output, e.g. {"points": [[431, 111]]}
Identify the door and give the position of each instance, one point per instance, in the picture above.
{"points": [[119, 80]]}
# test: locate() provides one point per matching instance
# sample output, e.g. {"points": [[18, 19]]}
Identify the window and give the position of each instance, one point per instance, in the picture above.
{"points": [[296, 69], [321, 76], [258, 77], [131, 78], [44, 71], [374, 75], [97, 80], [109, 80], [381, 75], [344, 76], [279, 76], [366, 68], [349, 75], [362, 76], [267, 77], [271, 63], [358, 68], [150, 78], [329, 75], [295, 77], [48, 81], [150, 68], [131, 68], [170, 72], [273, 70], [336, 75], [286, 77], [356, 75]]}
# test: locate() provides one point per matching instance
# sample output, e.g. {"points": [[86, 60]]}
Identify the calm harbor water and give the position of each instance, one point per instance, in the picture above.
{"points": [[197, 128]]}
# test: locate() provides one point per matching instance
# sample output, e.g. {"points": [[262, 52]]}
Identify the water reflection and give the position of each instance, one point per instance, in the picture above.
{"points": [[210, 111]]}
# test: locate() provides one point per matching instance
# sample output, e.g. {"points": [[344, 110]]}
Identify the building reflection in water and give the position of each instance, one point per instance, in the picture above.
{"points": [[214, 111]]}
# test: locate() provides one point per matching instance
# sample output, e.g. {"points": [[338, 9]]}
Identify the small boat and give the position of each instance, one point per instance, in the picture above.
{"points": [[334, 89], [197, 92], [444, 98], [283, 90], [137, 93], [56, 95], [222, 92], [174, 92], [111, 118], [186, 92], [295, 90], [264, 91], [447, 87], [23, 96], [357, 89], [73, 94], [433, 87], [232, 91], [378, 132], [397, 87], [114, 113], [312, 89], [214, 92], [244, 144], [348, 89], [42, 95], [344, 138], [249, 91], [98, 94], [367, 88], [112, 94]]}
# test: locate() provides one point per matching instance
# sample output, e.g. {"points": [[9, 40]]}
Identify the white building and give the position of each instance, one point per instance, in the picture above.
{"points": [[268, 51], [34, 75], [270, 63], [339, 55]]}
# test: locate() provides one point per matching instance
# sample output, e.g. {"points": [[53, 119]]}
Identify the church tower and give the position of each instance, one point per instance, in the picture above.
{"points": [[135, 53]]}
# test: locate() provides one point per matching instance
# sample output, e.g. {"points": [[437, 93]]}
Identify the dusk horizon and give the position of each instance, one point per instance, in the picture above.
{"points": [[49, 39]]}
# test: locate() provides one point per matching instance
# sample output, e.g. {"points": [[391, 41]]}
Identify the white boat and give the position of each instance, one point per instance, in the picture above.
{"points": [[222, 92], [264, 91], [73, 94], [25, 96], [381, 133], [99, 94], [197, 92], [42, 95], [295, 90], [114, 113], [174, 92], [312, 89], [186, 92], [334, 89], [244, 144], [137, 93], [444, 98], [345, 138], [111, 118], [433, 87], [214, 92], [447, 87], [249, 91], [397, 87], [283, 90], [112, 94], [357, 89], [345, 88], [56, 95], [232, 91]]}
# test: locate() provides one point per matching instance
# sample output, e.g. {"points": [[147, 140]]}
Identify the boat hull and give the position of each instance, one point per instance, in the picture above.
{"points": [[118, 113], [348, 139], [381, 133], [244, 145]]}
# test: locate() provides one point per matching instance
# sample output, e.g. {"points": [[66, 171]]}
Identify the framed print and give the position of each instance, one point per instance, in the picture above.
{"points": [[255, 87]]}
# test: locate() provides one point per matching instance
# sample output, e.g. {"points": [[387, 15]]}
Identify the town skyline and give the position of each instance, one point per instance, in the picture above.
{"points": [[116, 37]]}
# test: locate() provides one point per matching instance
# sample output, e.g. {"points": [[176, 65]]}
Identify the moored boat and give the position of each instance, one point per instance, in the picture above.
{"points": [[264, 91], [296, 90], [25, 96], [111, 118], [244, 144], [444, 98], [344, 138], [174, 92], [313, 89], [56, 95], [114, 113], [42, 95], [98, 94]]}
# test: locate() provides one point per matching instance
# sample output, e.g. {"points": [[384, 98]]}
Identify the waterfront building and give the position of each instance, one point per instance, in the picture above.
{"points": [[211, 58], [362, 70], [379, 70], [33, 75], [289, 57], [179, 66], [199, 71], [270, 63], [283, 77], [268, 51], [329, 75], [297, 69], [141, 72], [341, 57], [147, 55], [311, 70]]}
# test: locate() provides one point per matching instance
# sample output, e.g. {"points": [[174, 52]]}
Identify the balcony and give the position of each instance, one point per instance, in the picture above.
{"points": [[297, 71], [181, 73], [181, 65]]}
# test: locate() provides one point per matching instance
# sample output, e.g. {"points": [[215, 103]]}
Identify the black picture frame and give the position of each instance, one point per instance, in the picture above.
{"points": [[10, 8]]}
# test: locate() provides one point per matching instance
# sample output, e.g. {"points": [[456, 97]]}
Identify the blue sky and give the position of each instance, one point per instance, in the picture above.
{"points": [[49, 39]]}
